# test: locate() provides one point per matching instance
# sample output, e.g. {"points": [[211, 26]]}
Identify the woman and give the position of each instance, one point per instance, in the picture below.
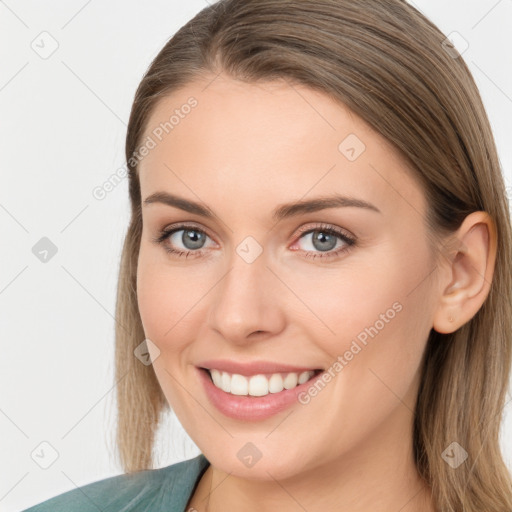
{"points": [[318, 262]]}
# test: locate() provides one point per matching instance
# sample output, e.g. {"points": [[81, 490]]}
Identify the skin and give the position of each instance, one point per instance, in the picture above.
{"points": [[244, 150]]}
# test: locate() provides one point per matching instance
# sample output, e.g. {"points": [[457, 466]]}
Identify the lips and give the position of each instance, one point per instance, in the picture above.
{"points": [[251, 408]]}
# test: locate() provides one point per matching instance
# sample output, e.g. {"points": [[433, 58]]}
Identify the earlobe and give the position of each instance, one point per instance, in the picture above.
{"points": [[468, 273]]}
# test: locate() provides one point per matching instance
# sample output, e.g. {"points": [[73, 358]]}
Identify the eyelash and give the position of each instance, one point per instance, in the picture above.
{"points": [[323, 228]]}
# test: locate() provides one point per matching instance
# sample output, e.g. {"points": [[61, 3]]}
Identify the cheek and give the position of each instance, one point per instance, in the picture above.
{"points": [[374, 315], [342, 303], [158, 296], [157, 299], [170, 302], [379, 329], [152, 301]]}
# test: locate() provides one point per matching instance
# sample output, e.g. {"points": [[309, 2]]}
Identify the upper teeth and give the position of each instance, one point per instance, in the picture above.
{"points": [[258, 385]]}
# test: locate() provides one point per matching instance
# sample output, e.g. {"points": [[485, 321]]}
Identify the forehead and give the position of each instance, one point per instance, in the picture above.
{"points": [[268, 143]]}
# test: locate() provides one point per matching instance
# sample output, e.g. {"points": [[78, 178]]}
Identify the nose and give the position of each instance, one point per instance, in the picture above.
{"points": [[246, 304]]}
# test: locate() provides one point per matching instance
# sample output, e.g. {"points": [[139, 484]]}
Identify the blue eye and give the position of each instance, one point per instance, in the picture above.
{"points": [[193, 239], [325, 239]]}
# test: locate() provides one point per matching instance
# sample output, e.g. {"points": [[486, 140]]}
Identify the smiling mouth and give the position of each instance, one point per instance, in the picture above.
{"points": [[258, 385]]}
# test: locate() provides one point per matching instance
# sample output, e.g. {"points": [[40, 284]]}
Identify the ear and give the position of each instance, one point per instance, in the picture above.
{"points": [[467, 276]]}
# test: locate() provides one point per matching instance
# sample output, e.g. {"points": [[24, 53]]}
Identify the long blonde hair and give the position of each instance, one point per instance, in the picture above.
{"points": [[393, 68]]}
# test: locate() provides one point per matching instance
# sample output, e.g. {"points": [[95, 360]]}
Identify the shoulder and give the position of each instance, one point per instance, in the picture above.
{"points": [[167, 488]]}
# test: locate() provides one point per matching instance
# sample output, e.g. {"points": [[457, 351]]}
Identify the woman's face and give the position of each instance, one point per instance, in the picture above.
{"points": [[343, 287]]}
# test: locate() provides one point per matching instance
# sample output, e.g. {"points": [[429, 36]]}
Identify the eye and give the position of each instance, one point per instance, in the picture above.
{"points": [[324, 239], [190, 237]]}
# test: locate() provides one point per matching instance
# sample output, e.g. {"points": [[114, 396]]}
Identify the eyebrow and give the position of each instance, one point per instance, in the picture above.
{"points": [[281, 212]]}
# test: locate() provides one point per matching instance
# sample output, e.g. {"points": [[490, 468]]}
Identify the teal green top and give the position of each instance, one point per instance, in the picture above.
{"points": [[155, 490]]}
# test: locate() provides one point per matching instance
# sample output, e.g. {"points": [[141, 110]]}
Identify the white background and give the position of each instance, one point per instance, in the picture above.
{"points": [[63, 124]]}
